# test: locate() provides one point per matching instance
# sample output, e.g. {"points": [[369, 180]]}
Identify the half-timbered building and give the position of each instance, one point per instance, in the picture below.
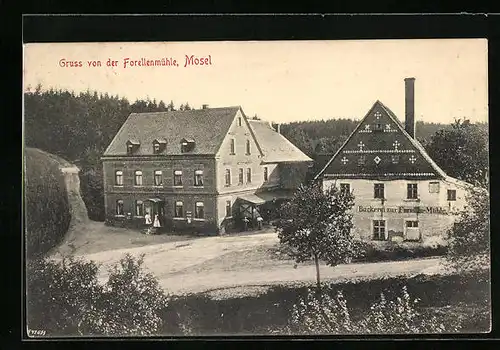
{"points": [[399, 190]]}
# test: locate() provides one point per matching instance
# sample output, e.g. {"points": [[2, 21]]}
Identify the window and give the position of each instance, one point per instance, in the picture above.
{"points": [[156, 147], [198, 210], [198, 177], [395, 159], [138, 178], [239, 121], [378, 191], [411, 224], [248, 147], [130, 149], [266, 174], [119, 178], [228, 209], [119, 207], [158, 178], [412, 232], [378, 127], [452, 195], [361, 160], [240, 176], [139, 208], [433, 187], [179, 209], [228, 177], [249, 175], [345, 188], [379, 230], [232, 146], [178, 178], [411, 191]]}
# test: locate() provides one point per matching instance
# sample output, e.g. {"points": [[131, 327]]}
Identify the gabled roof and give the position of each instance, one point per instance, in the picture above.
{"points": [[382, 143], [207, 127], [274, 146]]}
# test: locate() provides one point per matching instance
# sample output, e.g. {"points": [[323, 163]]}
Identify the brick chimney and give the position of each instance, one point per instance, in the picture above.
{"points": [[205, 107], [410, 106], [278, 128]]}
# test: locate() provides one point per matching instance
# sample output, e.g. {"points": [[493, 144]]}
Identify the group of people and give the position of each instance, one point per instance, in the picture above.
{"points": [[152, 225], [246, 222]]}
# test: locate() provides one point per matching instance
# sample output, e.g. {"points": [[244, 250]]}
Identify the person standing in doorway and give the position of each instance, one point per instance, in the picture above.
{"points": [[259, 222], [147, 218], [156, 223]]}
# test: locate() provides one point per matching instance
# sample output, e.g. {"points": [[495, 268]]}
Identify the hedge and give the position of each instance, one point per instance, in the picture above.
{"points": [[47, 211]]}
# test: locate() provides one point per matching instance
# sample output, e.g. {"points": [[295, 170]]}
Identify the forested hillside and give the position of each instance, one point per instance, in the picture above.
{"points": [[79, 127], [326, 136]]}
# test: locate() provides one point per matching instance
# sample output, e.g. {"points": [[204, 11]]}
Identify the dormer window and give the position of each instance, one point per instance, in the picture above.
{"points": [[159, 145], [132, 146], [187, 145]]}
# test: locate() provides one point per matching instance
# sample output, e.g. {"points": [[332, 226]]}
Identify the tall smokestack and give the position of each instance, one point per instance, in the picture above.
{"points": [[410, 106]]}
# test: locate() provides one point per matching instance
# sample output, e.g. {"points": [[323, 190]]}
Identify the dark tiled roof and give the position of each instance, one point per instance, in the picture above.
{"points": [[414, 161], [275, 147], [207, 127]]}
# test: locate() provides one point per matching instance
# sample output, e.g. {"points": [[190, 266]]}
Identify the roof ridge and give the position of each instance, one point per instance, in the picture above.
{"points": [[347, 140], [395, 119], [415, 142]]}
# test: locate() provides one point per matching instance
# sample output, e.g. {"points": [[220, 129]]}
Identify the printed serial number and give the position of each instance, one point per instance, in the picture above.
{"points": [[36, 332]]}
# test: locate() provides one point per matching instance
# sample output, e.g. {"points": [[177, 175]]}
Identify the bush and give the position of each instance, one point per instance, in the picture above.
{"points": [[372, 251], [92, 188], [47, 210], [321, 314], [65, 298], [470, 235], [450, 296]]}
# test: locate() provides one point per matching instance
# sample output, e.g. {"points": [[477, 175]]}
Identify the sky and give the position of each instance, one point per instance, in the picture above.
{"points": [[281, 81]]}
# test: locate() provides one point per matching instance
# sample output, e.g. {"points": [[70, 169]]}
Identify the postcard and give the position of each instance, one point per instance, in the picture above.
{"points": [[256, 188]]}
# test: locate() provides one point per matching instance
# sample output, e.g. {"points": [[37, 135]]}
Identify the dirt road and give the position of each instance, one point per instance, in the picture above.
{"points": [[215, 263]]}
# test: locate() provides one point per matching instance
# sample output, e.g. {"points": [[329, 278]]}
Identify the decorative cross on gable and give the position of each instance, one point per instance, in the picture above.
{"points": [[367, 127], [378, 115], [396, 144], [361, 145], [388, 126], [412, 159], [344, 160]]}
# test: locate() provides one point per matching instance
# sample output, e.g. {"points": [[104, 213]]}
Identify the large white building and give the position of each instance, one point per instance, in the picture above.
{"points": [[399, 190]]}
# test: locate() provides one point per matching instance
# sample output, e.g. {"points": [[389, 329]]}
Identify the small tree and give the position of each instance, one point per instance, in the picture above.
{"points": [[131, 301], [317, 225], [470, 235], [66, 298]]}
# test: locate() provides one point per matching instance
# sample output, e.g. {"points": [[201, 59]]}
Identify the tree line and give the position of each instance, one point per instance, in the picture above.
{"points": [[79, 127]]}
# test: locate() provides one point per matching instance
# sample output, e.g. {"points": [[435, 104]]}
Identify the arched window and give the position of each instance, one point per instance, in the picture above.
{"points": [[158, 178], [138, 178], [198, 210], [139, 208], [119, 178]]}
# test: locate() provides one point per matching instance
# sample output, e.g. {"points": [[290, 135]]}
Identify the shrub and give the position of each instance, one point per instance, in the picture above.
{"points": [[66, 298], [321, 314], [385, 251], [130, 302], [47, 210], [470, 235], [92, 188]]}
